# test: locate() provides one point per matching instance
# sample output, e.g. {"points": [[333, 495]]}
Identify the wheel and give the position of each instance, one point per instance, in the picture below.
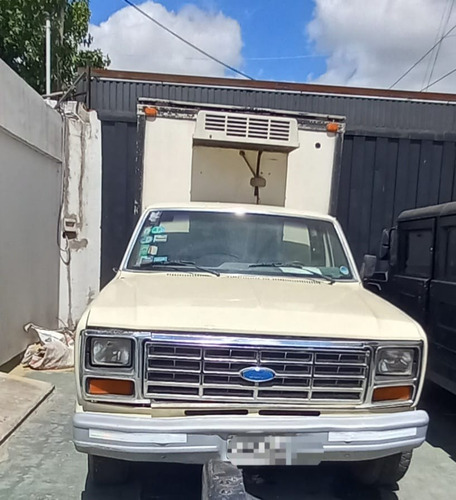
{"points": [[107, 470], [385, 471]]}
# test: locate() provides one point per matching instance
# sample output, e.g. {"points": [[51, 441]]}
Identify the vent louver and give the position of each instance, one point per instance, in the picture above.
{"points": [[244, 129]]}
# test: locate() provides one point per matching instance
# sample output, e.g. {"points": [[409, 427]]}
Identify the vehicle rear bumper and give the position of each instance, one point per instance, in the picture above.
{"points": [[249, 440]]}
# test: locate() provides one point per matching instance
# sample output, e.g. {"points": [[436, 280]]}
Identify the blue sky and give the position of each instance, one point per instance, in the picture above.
{"points": [[270, 29], [341, 42]]}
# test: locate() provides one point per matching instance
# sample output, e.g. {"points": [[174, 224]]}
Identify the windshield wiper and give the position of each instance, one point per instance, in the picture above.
{"points": [[296, 265], [181, 263]]}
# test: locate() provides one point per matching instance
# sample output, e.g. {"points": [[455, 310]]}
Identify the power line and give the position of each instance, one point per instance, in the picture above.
{"points": [[439, 79], [182, 39], [422, 57], [440, 45], [440, 30]]}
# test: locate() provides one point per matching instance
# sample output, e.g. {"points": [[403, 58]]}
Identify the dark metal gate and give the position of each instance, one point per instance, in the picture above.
{"points": [[382, 176], [118, 192]]}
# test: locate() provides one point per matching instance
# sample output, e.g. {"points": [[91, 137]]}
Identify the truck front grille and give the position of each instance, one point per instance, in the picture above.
{"points": [[185, 371]]}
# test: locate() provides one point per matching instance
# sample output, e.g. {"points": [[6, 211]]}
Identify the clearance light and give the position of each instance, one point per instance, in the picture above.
{"points": [[400, 393], [103, 386], [152, 112], [332, 127]]}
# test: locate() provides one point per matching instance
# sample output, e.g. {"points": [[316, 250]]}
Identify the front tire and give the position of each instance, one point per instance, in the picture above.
{"points": [[103, 471], [385, 471]]}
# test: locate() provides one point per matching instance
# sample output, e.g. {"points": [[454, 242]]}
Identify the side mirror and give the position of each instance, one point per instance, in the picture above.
{"points": [[368, 267], [385, 245]]}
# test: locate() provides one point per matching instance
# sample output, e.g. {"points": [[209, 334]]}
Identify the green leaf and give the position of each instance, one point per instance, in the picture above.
{"points": [[22, 40]]}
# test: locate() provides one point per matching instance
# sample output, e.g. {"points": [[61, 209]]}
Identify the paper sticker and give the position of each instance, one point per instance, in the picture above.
{"points": [[154, 216], [143, 250], [160, 238], [146, 260], [153, 250], [157, 230], [160, 259], [146, 239], [344, 271]]}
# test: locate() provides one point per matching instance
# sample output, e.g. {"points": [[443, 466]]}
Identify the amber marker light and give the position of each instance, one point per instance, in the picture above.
{"points": [[399, 393], [105, 386]]}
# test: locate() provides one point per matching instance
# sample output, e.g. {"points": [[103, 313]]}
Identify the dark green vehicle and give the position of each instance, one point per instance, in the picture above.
{"points": [[416, 270]]}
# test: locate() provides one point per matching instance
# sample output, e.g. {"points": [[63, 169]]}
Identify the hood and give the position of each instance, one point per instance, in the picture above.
{"points": [[247, 305]]}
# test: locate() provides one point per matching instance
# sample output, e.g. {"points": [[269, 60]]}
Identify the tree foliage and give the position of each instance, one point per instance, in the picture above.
{"points": [[22, 40]]}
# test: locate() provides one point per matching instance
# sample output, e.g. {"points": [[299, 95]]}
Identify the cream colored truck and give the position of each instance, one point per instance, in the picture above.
{"points": [[238, 331], [245, 333]]}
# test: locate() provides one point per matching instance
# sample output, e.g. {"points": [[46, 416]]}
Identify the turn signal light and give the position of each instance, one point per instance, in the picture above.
{"points": [[99, 386], [332, 127], [401, 393]]}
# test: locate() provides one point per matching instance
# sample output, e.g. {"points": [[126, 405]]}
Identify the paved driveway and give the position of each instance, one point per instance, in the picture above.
{"points": [[39, 463]]}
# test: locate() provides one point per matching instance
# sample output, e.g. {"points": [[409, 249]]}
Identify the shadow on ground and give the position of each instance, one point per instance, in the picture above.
{"points": [[152, 482], [181, 482], [325, 482], [441, 407]]}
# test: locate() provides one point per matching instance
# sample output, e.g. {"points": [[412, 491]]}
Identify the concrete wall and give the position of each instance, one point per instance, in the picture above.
{"points": [[80, 263], [30, 191]]}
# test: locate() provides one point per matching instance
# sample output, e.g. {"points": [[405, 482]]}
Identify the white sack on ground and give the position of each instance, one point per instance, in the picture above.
{"points": [[54, 350]]}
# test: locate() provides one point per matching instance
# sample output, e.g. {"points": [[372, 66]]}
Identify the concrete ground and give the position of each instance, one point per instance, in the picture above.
{"points": [[38, 462], [19, 396]]}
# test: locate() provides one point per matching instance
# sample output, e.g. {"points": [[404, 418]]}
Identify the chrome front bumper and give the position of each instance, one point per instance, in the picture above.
{"points": [[249, 440]]}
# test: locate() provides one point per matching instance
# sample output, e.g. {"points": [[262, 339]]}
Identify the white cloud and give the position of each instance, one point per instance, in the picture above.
{"points": [[135, 43], [372, 43]]}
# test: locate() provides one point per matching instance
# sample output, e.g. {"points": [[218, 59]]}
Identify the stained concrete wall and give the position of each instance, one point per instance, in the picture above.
{"points": [[81, 210], [30, 196]]}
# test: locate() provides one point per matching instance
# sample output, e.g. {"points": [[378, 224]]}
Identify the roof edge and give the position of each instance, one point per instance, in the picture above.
{"points": [[427, 212], [272, 85]]}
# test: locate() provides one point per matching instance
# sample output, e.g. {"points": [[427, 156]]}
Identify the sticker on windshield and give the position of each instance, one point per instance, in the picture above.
{"points": [[160, 259], [154, 217], [344, 271], [153, 250], [160, 238], [143, 250], [146, 239], [157, 230], [145, 260]]}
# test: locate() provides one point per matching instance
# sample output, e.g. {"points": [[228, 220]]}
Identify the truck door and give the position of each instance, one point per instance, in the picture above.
{"points": [[442, 307], [410, 287]]}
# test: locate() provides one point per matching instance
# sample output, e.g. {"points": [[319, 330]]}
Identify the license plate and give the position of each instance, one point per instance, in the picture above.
{"points": [[272, 450]]}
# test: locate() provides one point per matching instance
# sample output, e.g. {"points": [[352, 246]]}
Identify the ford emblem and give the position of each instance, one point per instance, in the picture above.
{"points": [[257, 374]]}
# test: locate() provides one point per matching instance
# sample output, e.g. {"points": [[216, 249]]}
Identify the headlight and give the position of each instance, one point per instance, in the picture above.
{"points": [[110, 351], [395, 361]]}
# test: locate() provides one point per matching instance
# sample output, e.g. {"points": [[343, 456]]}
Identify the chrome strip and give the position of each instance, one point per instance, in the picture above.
{"points": [[255, 342]]}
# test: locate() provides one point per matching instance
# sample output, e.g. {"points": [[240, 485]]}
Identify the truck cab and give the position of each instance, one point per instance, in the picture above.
{"points": [[417, 272]]}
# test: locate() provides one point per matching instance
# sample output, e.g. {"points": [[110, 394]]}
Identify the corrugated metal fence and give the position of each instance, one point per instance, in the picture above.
{"points": [[382, 176], [398, 154]]}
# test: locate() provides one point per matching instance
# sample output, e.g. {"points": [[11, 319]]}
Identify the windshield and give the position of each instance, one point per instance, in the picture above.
{"points": [[246, 243]]}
